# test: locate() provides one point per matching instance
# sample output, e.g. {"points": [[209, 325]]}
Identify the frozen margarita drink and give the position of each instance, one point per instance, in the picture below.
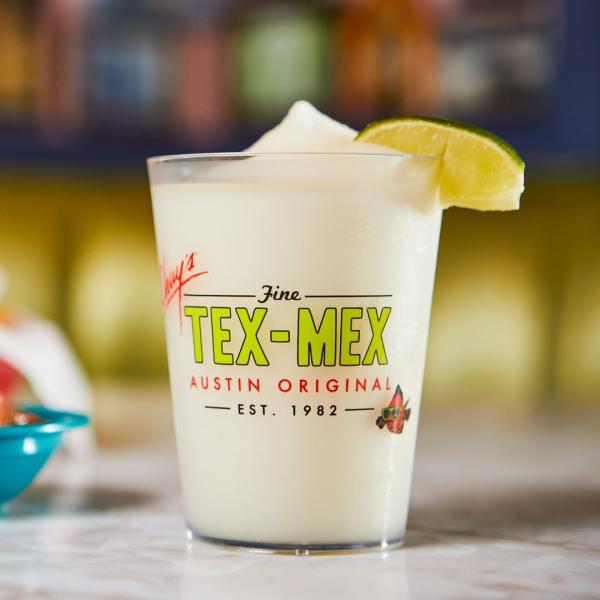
{"points": [[297, 280]]}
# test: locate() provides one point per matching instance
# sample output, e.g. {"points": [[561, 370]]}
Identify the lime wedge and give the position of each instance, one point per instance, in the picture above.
{"points": [[479, 170]]}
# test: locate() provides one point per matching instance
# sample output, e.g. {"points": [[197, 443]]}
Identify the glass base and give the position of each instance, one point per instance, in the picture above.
{"points": [[297, 549]]}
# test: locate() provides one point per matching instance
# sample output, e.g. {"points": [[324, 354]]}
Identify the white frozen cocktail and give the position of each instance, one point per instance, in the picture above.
{"points": [[297, 282]]}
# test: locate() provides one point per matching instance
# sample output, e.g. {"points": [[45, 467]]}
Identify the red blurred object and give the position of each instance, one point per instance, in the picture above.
{"points": [[10, 378], [10, 381]]}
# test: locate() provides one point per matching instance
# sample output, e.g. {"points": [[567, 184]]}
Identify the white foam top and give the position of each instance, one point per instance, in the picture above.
{"points": [[305, 129]]}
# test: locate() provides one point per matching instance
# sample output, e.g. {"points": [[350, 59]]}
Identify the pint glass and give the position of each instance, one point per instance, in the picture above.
{"points": [[297, 291]]}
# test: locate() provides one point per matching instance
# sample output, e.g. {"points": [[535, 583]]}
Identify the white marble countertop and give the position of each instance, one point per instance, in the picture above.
{"points": [[500, 510]]}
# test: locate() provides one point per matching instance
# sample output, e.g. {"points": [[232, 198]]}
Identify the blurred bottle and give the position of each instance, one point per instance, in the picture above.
{"points": [[17, 58], [129, 73], [386, 58], [500, 58], [281, 54], [61, 32], [203, 100]]}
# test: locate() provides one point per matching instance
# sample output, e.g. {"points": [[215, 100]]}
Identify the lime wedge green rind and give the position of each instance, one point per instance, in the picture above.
{"points": [[479, 170], [451, 124]]}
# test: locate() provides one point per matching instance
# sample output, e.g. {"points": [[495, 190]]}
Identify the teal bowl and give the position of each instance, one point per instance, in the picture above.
{"points": [[25, 449]]}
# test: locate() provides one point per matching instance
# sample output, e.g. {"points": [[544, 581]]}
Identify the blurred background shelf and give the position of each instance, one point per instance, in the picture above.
{"points": [[104, 80], [90, 88]]}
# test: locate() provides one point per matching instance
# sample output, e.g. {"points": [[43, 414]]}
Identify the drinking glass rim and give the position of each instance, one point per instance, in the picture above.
{"points": [[207, 156]]}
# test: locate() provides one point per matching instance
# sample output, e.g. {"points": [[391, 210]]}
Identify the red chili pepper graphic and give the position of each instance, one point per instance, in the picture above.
{"points": [[395, 414]]}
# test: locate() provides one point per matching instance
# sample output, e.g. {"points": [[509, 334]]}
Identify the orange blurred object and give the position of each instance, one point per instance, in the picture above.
{"points": [[11, 416], [387, 57]]}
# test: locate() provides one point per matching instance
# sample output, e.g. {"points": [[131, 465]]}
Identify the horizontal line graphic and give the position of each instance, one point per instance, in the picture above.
{"points": [[348, 296], [221, 295]]}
